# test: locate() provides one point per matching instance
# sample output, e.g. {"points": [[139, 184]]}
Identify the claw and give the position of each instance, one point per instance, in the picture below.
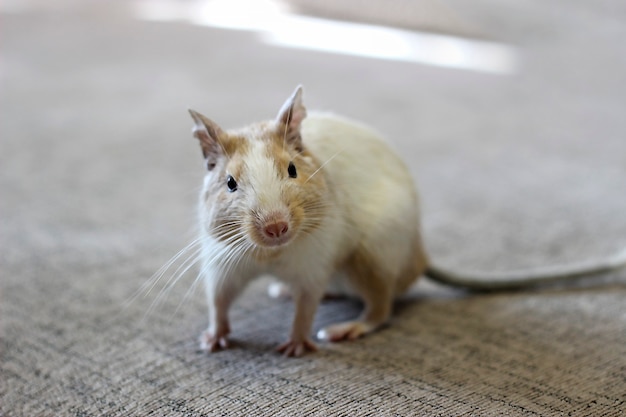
{"points": [[210, 343], [296, 348]]}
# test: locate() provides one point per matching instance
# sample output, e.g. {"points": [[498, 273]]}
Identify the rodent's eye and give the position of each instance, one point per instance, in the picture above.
{"points": [[231, 184], [291, 169]]}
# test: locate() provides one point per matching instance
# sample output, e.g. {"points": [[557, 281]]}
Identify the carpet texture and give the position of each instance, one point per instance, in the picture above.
{"points": [[99, 176]]}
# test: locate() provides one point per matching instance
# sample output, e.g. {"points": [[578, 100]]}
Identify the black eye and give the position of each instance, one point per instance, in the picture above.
{"points": [[231, 184], [292, 170]]}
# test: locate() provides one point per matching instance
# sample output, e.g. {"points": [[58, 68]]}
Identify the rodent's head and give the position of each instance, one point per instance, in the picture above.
{"points": [[263, 188]]}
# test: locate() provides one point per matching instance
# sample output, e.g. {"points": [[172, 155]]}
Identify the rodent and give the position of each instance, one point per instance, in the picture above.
{"points": [[319, 202]]}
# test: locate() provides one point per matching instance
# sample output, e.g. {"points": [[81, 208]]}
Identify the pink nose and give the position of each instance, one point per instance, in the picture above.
{"points": [[275, 230]]}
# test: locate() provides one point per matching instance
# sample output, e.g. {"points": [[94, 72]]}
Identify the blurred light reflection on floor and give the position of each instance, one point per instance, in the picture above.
{"points": [[276, 26]]}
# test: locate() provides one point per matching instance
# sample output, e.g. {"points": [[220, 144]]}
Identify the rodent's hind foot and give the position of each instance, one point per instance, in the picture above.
{"points": [[211, 343], [278, 290], [296, 349], [349, 330]]}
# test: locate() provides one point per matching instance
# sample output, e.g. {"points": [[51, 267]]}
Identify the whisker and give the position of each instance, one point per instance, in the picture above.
{"points": [[180, 271], [193, 258], [324, 164], [188, 294], [220, 258], [173, 280], [146, 288]]}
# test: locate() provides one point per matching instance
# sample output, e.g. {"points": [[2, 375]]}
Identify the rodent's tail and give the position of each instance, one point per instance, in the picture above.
{"points": [[525, 278]]}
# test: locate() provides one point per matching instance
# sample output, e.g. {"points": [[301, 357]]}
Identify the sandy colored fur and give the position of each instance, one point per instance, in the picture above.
{"points": [[301, 196], [352, 216]]}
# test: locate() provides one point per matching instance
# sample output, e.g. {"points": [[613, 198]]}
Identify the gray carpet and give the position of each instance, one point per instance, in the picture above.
{"points": [[99, 176]]}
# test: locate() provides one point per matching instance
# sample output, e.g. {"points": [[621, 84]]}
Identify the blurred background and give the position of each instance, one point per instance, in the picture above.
{"points": [[511, 115], [506, 107], [514, 107]]}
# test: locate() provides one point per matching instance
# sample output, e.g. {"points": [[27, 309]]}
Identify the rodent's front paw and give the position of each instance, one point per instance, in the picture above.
{"points": [[293, 348], [212, 343]]}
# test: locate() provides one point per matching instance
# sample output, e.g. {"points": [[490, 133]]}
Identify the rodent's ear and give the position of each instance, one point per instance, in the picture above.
{"points": [[209, 134], [291, 115]]}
